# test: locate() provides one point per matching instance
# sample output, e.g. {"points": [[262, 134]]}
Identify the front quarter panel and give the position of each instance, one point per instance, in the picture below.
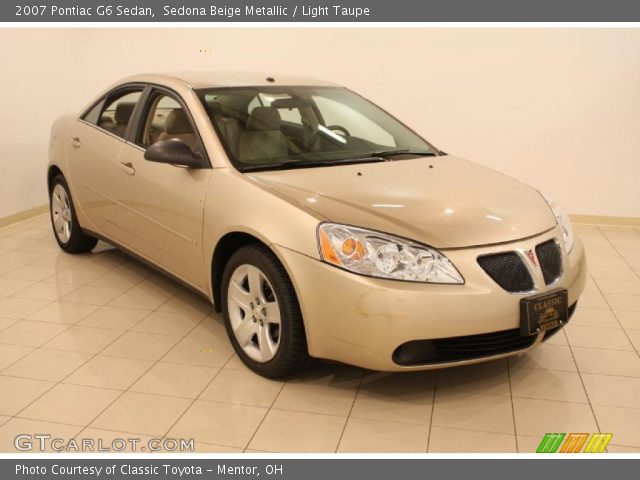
{"points": [[236, 203]]}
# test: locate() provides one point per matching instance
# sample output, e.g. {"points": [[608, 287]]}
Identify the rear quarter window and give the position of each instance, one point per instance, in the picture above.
{"points": [[93, 115]]}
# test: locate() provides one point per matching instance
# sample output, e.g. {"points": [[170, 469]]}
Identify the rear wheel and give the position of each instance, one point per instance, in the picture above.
{"points": [[261, 313], [65, 224]]}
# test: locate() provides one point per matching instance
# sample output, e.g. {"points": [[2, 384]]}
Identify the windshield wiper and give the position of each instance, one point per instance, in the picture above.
{"points": [[405, 151], [371, 157], [310, 164]]}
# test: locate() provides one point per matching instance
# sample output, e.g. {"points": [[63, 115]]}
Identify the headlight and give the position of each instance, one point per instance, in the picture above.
{"points": [[565, 225], [380, 255]]}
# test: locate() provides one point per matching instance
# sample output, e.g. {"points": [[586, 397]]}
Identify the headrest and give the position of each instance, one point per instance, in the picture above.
{"points": [[177, 122], [218, 108], [263, 119], [123, 112]]}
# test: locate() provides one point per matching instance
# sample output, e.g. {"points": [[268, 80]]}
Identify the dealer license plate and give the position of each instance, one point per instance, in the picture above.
{"points": [[543, 312]]}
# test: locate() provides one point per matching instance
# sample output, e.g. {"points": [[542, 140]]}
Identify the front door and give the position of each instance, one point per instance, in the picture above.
{"points": [[163, 205]]}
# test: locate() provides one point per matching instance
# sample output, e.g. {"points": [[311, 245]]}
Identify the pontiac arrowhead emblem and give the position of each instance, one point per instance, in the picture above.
{"points": [[531, 256]]}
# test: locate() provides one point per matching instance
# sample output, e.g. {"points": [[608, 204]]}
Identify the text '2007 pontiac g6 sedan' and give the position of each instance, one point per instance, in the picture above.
{"points": [[317, 223]]}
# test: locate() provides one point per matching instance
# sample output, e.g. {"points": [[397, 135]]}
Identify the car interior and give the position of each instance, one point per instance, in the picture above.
{"points": [[258, 129], [253, 133], [116, 115], [167, 119]]}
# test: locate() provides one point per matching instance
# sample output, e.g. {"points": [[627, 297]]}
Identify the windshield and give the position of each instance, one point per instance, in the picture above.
{"points": [[294, 127]]}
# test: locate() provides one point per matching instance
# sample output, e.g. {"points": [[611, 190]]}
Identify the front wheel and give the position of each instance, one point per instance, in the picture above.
{"points": [[261, 313], [66, 228]]}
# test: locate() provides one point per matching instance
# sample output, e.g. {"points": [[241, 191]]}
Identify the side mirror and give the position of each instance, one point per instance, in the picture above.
{"points": [[174, 152]]}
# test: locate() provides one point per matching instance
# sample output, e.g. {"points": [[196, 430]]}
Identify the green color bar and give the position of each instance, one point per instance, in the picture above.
{"points": [[550, 442]]}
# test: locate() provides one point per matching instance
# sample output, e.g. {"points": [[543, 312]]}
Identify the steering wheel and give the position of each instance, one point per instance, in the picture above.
{"points": [[316, 135], [340, 128]]}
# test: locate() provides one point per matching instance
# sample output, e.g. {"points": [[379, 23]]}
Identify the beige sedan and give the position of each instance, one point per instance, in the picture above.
{"points": [[317, 223]]}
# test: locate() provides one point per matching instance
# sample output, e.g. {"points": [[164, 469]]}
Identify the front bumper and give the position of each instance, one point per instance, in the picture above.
{"points": [[361, 320]]}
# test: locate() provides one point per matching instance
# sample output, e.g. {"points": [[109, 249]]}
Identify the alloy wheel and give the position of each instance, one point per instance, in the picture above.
{"points": [[254, 313], [61, 213]]}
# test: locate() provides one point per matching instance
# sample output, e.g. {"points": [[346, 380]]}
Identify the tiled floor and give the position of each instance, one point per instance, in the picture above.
{"points": [[99, 346]]}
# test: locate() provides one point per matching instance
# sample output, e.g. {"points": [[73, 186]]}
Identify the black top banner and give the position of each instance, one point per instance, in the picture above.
{"points": [[320, 11]]}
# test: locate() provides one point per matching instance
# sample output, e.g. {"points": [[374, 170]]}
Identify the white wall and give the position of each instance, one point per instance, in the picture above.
{"points": [[34, 89], [557, 108]]}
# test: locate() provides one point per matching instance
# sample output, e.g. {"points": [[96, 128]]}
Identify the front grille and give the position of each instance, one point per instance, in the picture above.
{"points": [[507, 270], [550, 259], [454, 349]]}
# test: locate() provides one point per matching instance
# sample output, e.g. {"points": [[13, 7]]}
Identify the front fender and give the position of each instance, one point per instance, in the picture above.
{"points": [[235, 203]]}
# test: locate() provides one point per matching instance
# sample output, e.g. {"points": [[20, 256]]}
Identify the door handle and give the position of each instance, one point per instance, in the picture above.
{"points": [[75, 142], [128, 168]]}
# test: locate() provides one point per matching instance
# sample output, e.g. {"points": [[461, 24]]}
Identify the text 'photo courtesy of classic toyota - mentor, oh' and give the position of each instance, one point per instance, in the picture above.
{"points": [[318, 224]]}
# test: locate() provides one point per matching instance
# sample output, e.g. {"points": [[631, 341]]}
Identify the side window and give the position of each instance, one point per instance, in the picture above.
{"points": [[166, 119], [255, 102], [287, 114], [118, 111], [291, 115]]}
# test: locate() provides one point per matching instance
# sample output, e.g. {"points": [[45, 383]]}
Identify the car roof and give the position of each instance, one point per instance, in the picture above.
{"points": [[212, 79]]}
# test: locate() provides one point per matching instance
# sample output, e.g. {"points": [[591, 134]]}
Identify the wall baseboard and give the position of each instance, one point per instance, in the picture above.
{"points": [[606, 220], [20, 216]]}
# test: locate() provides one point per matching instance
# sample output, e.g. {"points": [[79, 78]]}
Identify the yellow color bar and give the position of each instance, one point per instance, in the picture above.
{"points": [[598, 442]]}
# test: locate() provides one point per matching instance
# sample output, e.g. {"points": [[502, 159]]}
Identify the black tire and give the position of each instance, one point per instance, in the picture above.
{"points": [[292, 355], [78, 241]]}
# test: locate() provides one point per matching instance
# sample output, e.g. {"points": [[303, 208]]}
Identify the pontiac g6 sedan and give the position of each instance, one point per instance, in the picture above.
{"points": [[317, 223]]}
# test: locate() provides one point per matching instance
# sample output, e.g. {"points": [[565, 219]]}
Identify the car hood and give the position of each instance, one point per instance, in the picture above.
{"points": [[445, 202]]}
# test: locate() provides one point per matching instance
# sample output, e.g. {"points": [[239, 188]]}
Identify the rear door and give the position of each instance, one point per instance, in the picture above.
{"points": [[95, 145]]}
